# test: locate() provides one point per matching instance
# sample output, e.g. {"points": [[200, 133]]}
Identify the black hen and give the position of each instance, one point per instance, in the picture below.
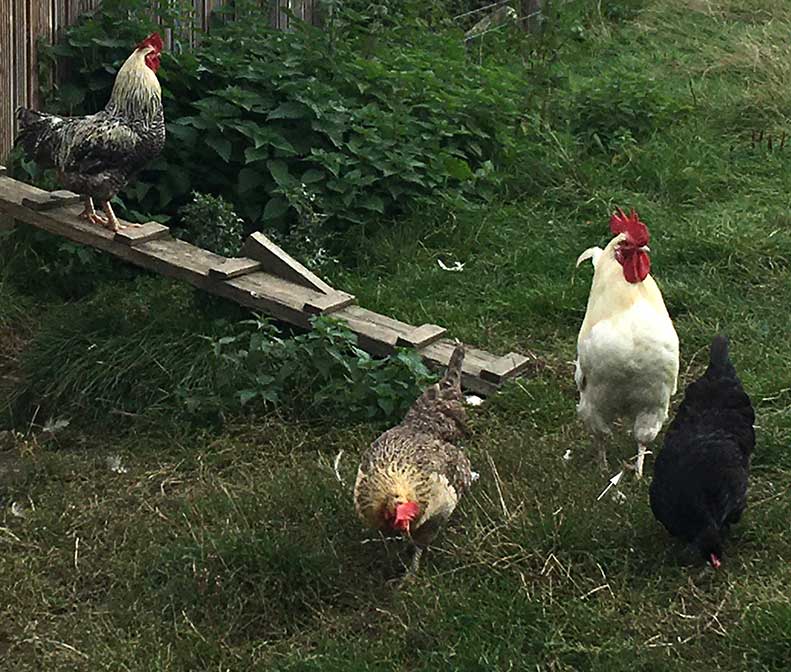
{"points": [[700, 477]]}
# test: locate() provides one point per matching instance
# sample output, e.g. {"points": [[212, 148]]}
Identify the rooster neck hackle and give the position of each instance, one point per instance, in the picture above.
{"points": [[610, 291], [137, 95], [377, 493]]}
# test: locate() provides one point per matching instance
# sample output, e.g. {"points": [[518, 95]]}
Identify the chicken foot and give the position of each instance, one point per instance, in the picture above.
{"points": [[637, 467], [91, 215], [112, 222]]}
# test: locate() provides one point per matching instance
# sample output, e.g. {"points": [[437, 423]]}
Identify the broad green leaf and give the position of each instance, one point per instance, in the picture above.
{"points": [[457, 168], [290, 110], [311, 176], [275, 207], [220, 145], [245, 396], [279, 171], [372, 202], [252, 154], [186, 134]]}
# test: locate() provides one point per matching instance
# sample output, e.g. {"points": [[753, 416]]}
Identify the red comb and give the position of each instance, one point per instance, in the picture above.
{"points": [[153, 40], [630, 224]]}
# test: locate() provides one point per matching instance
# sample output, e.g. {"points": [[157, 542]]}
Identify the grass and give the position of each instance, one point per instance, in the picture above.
{"points": [[238, 549]]}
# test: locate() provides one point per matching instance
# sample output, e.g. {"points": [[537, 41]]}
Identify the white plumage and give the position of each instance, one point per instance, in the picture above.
{"points": [[627, 348]]}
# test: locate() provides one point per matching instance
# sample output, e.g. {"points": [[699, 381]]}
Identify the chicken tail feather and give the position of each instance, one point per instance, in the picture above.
{"points": [[592, 253], [719, 359], [452, 378], [37, 133]]}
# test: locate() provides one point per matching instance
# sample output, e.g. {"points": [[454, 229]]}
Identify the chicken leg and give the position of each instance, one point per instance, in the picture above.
{"points": [[90, 213], [642, 451], [605, 467], [416, 560], [112, 221]]}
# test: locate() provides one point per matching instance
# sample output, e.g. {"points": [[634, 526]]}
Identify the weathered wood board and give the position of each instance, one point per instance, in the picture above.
{"points": [[271, 282]]}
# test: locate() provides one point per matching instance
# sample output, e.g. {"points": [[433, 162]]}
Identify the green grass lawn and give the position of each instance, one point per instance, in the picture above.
{"points": [[237, 548]]}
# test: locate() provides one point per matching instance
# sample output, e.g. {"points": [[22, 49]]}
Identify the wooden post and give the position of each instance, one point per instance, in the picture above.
{"points": [[532, 10]]}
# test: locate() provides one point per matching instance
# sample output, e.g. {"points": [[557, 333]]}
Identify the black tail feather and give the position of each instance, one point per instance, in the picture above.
{"points": [[36, 134], [719, 358]]}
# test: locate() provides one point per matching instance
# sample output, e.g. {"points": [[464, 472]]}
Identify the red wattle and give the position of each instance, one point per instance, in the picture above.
{"points": [[636, 265], [152, 60]]}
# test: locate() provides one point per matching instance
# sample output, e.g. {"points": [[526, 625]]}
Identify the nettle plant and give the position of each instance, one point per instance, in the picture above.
{"points": [[210, 222], [320, 371], [266, 119]]}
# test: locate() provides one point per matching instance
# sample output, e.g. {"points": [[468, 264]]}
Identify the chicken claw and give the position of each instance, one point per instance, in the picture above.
{"points": [[89, 212], [97, 219], [637, 467]]}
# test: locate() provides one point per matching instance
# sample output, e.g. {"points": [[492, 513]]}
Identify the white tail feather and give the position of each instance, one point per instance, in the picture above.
{"points": [[592, 253]]}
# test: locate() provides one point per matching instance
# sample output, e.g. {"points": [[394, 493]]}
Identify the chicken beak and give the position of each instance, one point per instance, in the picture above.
{"points": [[645, 248]]}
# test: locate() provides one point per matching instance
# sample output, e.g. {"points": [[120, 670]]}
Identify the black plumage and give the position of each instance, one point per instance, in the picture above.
{"points": [[700, 477], [95, 155]]}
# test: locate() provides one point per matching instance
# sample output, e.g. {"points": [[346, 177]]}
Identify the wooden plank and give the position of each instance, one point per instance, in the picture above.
{"points": [[371, 337], [262, 291], [505, 367], [6, 222], [277, 262], [172, 257], [233, 268], [62, 221], [421, 336], [328, 303], [279, 297], [381, 321], [49, 200], [135, 235]]}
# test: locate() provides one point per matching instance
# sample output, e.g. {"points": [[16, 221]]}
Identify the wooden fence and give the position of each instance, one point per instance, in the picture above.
{"points": [[24, 22]]}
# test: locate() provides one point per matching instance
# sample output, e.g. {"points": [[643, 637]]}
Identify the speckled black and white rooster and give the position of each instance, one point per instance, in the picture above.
{"points": [[98, 154], [412, 477]]}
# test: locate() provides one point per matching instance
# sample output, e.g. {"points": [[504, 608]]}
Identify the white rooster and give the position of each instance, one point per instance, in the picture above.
{"points": [[627, 348]]}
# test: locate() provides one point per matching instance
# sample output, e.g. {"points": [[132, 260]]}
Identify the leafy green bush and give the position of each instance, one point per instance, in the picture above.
{"points": [[135, 349], [320, 370], [211, 223], [256, 115]]}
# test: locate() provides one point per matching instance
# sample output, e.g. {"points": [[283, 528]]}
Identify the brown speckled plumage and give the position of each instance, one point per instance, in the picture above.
{"points": [[419, 460]]}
